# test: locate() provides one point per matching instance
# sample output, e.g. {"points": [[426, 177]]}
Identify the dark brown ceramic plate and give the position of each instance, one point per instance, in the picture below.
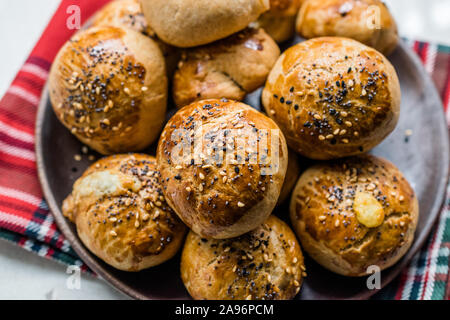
{"points": [[423, 158]]}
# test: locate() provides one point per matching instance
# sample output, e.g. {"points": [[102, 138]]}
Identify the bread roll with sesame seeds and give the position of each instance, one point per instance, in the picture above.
{"points": [[352, 213], [191, 23], [367, 21], [128, 13], [228, 68], [292, 173], [279, 21], [108, 85], [222, 165], [121, 214], [264, 264], [333, 97]]}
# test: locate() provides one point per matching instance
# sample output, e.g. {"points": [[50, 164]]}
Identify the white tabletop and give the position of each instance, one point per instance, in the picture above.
{"points": [[24, 275]]}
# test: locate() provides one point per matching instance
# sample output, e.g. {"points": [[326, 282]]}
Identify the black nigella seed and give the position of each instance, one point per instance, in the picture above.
{"points": [[178, 177], [282, 100]]}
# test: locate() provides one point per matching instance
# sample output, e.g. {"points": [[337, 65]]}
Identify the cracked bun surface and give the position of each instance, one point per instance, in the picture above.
{"points": [[352, 213], [128, 13], [191, 23], [333, 97], [228, 68], [279, 21], [108, 86], [121, 215], [264, 264], [367, 21], [222, 166]]}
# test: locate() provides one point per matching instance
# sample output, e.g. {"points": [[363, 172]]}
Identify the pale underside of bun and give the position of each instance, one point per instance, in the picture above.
{"points": [[191, 23]]}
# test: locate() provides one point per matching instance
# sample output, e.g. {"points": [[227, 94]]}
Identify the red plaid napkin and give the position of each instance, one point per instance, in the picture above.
{"points": [[26, 220]]}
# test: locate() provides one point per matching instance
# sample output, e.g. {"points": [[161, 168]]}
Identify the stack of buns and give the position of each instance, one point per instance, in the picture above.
{"points": [[221, 167]]}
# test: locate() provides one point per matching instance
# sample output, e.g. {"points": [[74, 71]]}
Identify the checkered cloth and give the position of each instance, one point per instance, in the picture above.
{"points": [[25, 218]]}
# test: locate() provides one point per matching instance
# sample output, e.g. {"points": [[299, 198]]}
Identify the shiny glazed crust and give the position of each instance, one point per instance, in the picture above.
{"points": [[228, 68], [229, 197], [128, 13], [121, 215], [191, 23], [323, 214], [265, 264], [108, 86], [333, 97], [367, 21]]}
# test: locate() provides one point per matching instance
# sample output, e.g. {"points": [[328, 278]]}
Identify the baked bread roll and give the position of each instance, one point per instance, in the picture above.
{"points": [[108, 86], [292, 173], [128, 13], [222, 165], [279, 21], [264, 264], [333, 97], [367, 21], [191, 23], [121, 215], [352, 213], [228, 68]]}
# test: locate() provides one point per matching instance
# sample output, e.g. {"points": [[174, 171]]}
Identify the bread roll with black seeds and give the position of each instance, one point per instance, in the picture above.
{"points": [[191, 23], [222, 165], [279, 21], [333, 97], [352, 213], [264, 264], [121, 214], [367, 21], [108, 86], [228, 68], [128, 13]]}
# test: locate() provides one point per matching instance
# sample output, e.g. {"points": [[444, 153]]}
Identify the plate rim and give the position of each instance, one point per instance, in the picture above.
{"points": [[90, 260]]}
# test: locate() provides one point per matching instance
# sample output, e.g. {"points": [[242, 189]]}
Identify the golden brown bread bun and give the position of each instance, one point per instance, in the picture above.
{"points": [[123, 13], [333, 97], [128, 13], [109, 87], [191, 23], [121, 215], [223, 175], [368, 21], [228, 68], [353, 213], [292, 173], [279, 21], [264, 264]]}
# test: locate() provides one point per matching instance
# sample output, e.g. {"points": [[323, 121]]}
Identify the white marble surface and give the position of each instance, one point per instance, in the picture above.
{"points": [[26, 276]]}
